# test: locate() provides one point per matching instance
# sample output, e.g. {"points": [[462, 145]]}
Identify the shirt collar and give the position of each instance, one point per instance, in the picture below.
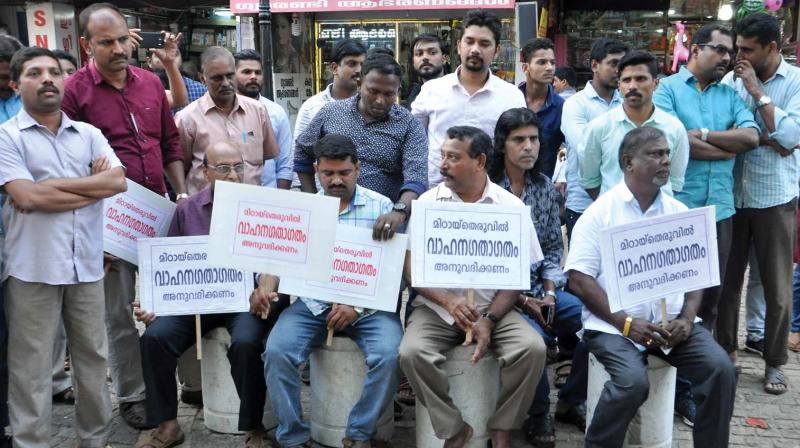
{"points": [[205, 196], [25, 121], [783, 70], [455, 82], [359, 199], [206, 103], [592, 93], [354, 108], [97, 78], [551, 94], [618, 114], [490, 193], [626, 195]]}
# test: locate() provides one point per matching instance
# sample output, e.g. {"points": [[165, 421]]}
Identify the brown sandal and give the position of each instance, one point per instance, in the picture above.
{"points": [[153, 439], [794, 342]]}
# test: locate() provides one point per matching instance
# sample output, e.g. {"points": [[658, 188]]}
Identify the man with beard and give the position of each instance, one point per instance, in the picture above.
{"points": [[599, 162], [472, 95], [249, 79], [428, 57], [223, 115]]}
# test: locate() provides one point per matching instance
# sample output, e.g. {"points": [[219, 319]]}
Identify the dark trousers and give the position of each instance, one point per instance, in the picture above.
{"points": [[699, 359], [168, 337], [773, 233], [709, 306], [3, 365], [571, 218]]}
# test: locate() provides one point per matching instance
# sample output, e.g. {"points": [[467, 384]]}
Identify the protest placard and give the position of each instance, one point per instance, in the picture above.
{"points": [[177, 276], [134, 214], [466, 245], [650, 259], [366, 272], [279, 232]]}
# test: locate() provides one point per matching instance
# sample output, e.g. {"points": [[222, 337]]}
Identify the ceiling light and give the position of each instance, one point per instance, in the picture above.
{"points": [[725, 12]]}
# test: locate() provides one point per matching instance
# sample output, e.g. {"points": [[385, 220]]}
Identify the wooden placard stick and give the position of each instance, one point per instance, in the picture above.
{"points": [[470, 300], [199, 335], [664, 312], [329, 341]]}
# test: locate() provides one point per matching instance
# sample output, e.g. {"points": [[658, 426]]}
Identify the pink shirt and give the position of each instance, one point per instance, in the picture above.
{"points": [[247, 127]]}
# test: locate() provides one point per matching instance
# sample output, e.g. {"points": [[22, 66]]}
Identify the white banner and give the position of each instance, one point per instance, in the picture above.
{"points": [[134, 214], [279, 232], [653, 258], [366, 272], [176, 278], [479, 246]]}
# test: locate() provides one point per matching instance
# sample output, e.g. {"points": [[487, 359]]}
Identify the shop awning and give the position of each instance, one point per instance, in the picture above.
{"points": [[250, 6]]}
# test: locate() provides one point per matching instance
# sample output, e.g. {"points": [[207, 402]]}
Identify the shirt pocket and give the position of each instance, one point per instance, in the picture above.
{"points": [[146, 119]]}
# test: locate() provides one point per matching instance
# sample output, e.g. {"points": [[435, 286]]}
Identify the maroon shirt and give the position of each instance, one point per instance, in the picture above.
{"points": [[193, 215], [137, 121]]}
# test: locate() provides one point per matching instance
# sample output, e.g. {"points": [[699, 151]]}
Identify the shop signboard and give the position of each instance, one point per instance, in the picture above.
{"points": [[52, 25], [383, 5]]}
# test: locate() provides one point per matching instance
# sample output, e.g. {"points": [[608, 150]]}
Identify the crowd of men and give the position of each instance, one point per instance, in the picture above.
{"points": [[722, 131]]}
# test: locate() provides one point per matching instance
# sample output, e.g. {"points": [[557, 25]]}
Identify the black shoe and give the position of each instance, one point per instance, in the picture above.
{"points": [[686, 408], [135, 415], [575, 415], [192, 397], [756, 347], [540, 432]]}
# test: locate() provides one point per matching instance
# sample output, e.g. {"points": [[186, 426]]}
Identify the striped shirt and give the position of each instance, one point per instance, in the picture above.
{"points": [[763, 178], [364, 209]]}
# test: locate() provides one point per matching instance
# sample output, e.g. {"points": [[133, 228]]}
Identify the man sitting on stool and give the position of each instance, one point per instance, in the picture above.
{"points": [[621, 341], [167, 337], [303, 326]]}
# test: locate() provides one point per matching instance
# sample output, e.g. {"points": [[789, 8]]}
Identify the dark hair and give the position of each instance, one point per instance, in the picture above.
{"points": [[335, 147], [8, 46], [87, 12], [604, 46], [639, 57], [762, 26], [481, 17], [345, 48], [380, 50], [534, 45], [637, 139], [510, 121], [247, 55], [703, 34], [25, 55], [567, 74], [61, 54], [427, 38], [383, 63], [480, 143], [212, 54]]}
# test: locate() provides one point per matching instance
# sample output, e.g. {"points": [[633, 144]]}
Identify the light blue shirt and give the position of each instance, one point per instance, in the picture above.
{"points": [[763, 178], [717, 108], [281, 166], [364, 209], [9, 108], [578, 111]]}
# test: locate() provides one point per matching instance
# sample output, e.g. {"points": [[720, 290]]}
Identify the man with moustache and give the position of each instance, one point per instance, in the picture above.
{"points": [[53, 257], [249, 79], [599, 164], [428, 58], [131, 108], [223, 115], [472, 95]]}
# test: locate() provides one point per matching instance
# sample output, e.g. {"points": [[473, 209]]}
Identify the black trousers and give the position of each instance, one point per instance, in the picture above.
{"points": [[168, 337], [709, 306], [699, 359]]}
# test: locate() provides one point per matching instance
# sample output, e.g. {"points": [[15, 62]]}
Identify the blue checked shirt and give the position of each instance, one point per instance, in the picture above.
{"points": [[364, 209], [763, 177], [195, 91]]}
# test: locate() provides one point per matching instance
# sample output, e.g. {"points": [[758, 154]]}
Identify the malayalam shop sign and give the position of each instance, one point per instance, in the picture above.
{"points": [[251, 7]]}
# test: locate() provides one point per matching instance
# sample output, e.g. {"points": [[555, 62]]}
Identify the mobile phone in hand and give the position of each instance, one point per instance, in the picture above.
{"points": [[152, 39]]}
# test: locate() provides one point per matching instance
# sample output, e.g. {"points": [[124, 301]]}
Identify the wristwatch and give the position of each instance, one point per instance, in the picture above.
{"points": [[765, 100], [359, 310], [181, 196], [704, 134], [550, 293], [491, 317], [400, 207]]}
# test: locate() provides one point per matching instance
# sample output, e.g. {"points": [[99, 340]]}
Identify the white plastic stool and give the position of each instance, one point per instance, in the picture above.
{"points": [[652, 425], [337, 379], [220, 399], [474, 391]]}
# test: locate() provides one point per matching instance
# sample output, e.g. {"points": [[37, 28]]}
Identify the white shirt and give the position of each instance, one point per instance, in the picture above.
{"points": [[616, 207], [444, 102], [492, 194], [308, 110]]}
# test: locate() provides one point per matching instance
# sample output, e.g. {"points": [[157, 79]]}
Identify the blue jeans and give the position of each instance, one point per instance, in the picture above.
{"points": [[796, 300], [291, 341], [566, 323]]}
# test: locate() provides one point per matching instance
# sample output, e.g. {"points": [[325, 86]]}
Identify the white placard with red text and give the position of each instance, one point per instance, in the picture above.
{"points": [[279, 232], [366, 272], [134, 214]]}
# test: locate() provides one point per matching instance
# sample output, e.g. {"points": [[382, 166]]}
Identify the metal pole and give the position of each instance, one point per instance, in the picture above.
{"points": [[265, 31]]}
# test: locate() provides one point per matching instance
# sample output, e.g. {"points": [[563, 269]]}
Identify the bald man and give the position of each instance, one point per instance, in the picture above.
{"points": [[223, 115], [167, 337]]}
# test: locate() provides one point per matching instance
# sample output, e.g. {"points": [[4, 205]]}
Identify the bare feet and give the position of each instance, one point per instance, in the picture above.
{"points": [[460, 439], [500, 439], [794, 342]]}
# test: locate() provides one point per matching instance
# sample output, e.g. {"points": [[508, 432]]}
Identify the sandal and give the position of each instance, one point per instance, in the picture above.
{"points": [[562, 372], [773, 379], [794, 342], [66, 396], [257, 439], [153, 439]]}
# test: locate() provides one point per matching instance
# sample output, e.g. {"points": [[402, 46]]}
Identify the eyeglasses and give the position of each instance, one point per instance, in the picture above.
{"points": [[224, 170], [721, 50]]}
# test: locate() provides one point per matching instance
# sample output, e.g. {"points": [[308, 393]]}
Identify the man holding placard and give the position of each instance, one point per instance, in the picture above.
{"points": [[168, 337], [303, 326], [492, 318], [622, 340]]}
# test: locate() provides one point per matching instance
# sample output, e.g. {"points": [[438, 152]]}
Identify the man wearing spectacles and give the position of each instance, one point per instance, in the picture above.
{"points": [[168, 337]]}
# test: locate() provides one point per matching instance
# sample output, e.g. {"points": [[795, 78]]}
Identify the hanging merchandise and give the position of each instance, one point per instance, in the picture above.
{"points": [[749, 7], [680, 53]]}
